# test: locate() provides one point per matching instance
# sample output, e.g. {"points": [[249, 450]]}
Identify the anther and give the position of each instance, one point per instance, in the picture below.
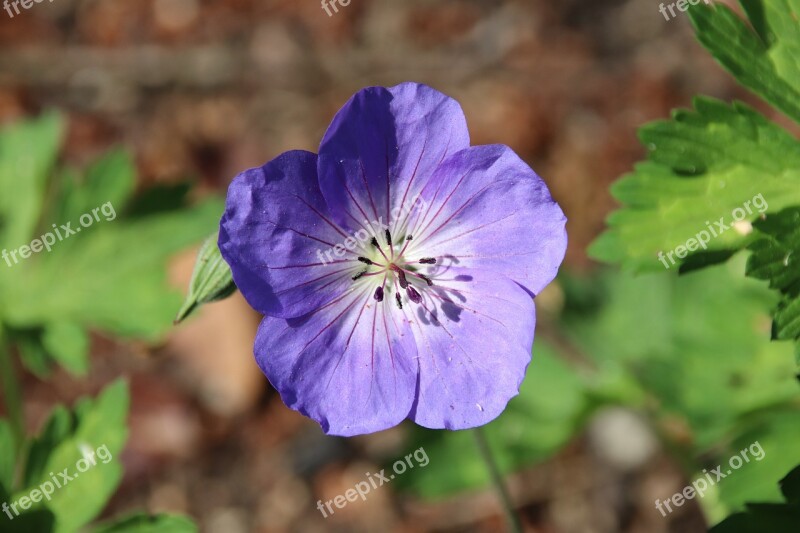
{"points": [[365, 261], [388, 238], [399, 300], [360, 274], [374, 242], [403, 280], [427, 280], [413, 295], [428, 260], [409, 237], [378, 294]]}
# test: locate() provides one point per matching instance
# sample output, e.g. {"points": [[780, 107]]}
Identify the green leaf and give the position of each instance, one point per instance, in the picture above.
{"points": [[8, 455], [211, 280], [27, 153], [108, 181], [109, 275], [141, 523], [777, 434], [697, 346], [32, 353], [57, 428], [764, 56], [775, 517], [68, 344], [117, 279], [776, 258], [89, 452], [703, 165]]}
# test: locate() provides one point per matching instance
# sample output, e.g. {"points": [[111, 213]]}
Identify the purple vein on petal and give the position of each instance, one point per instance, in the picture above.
{"points": [[347, 344], [477, 228], [286, 267], [411, 181], [350, 194], [308, 282], [306, 235], [388, 183], [366, 186], [452, 215], [442, 205], [323, 217]]}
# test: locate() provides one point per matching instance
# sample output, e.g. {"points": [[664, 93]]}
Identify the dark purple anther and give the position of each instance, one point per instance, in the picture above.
{"points": [[413, 295]]}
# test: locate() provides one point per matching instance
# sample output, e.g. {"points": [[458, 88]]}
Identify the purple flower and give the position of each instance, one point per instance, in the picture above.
{"points": [[396, 269]]}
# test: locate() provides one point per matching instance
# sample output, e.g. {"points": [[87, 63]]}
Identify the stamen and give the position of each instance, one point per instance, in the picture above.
{"points": [[413, 295], [365, 261], [360, 274], [374, 242], [408, 241], [399, 300], [388, 238], [400, 274], [378, 294], [422, 277], [428, 260]]}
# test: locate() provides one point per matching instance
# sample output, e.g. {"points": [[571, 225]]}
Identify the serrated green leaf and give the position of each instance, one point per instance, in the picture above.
{"points": [[762, 57], [212, 279], [141, 523], [703, 165], [99, 434], [776, 258]]}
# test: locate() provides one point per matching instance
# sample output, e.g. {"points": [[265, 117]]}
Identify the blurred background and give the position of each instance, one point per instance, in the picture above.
{"points": [[628, 395]]}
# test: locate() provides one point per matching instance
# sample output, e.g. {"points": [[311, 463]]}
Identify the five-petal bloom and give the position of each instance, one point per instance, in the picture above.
{"points": [[396, 269]]}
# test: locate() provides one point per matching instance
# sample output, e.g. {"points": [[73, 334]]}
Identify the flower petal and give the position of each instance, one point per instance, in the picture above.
{"points": [[488, 210], [274, 234], [350, 365], [383, 146], [474, 334]]}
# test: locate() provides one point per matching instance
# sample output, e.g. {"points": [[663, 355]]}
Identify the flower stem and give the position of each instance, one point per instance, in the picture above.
{"points": [[497, 479], [11, 393]]}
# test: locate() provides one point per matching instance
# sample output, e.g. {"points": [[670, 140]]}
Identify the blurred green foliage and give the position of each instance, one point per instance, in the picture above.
{"points": [[109, 276]]}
